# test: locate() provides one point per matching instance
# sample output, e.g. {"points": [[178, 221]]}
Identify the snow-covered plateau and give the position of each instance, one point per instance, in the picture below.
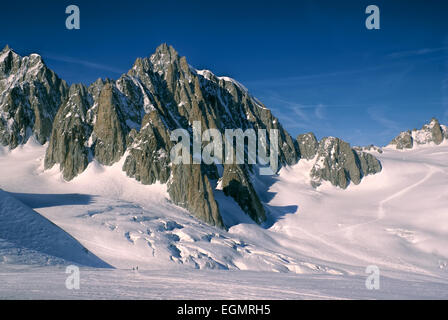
{"points": [[316, 243]]}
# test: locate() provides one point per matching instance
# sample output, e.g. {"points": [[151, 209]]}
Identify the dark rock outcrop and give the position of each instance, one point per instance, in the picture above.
{"points": [[190, 188], [148, 160], [109, 129], [308, 145], [369, 148], [339, 164], [404, 140], [236, 183]]}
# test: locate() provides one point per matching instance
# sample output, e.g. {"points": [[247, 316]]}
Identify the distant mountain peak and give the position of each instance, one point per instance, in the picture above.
{"points": [[432, 132], [336, 161], [164, 54]]}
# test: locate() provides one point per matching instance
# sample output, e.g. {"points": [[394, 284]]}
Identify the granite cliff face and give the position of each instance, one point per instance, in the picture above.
{"points": [[132, 118], [433, 132], [69, 134]]}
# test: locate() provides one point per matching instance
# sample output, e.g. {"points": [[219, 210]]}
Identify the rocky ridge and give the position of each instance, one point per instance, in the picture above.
{"points": [[133, 117]]}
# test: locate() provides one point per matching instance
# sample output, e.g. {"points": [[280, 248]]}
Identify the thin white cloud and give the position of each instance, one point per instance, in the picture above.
{"points": [[417, 52], [331, 77], [85, 63], [297, 116], [319, 111], [312, 77], [377, 114]]}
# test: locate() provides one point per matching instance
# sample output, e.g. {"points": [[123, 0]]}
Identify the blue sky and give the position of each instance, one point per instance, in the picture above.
{"points": [[312, 62]]}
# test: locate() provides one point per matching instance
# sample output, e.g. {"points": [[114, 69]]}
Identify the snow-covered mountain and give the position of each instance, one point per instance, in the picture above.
{"points": [[132, 118], [316, 242], [96, 188]]}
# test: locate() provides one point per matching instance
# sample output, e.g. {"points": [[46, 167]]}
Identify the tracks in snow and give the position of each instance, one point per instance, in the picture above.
{"points": [[381, 211]]}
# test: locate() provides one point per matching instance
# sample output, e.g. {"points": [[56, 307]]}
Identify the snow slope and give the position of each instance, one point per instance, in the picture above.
{"points": [[397, 219], [28, 238], [322, 238], [206, 284], [127, 224]]}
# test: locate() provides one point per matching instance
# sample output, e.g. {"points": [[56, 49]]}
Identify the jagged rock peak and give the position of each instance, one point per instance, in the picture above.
{"points": [[5, 51], [164, 54], [159, 61], [164, 48], [8, 55], [15, 70], [433, 132], [30, 95]]}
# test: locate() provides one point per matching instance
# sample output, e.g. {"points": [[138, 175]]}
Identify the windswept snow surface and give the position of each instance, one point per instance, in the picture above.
{"points": [[316, 244], [26, 236]]}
